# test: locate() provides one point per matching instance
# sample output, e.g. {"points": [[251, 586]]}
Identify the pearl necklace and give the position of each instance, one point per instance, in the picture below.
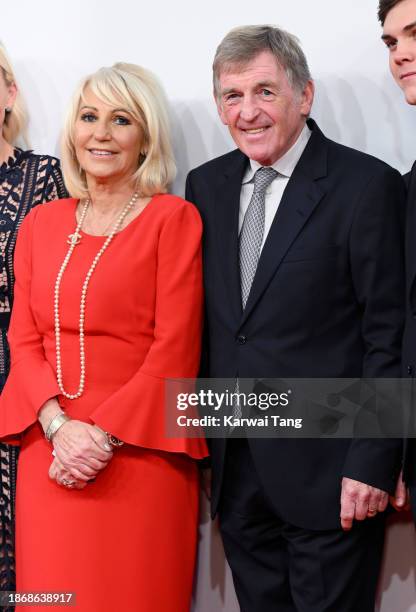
{"points": [[73, 240]]}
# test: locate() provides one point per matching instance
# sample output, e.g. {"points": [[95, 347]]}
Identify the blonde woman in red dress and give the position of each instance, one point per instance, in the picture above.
{"points": [[108, 304]]}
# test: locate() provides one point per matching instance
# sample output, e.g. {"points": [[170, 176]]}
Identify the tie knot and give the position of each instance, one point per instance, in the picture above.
{"points": [[263, 177]]}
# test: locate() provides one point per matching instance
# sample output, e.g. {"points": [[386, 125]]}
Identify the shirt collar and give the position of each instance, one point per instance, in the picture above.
{"points": [[286, 164]]}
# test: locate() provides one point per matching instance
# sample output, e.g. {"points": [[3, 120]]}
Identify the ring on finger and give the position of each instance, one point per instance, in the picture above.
{"points": [[67, 483]]}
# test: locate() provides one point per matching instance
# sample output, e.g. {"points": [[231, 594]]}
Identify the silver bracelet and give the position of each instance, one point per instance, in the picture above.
{"points": [[57, 422]]}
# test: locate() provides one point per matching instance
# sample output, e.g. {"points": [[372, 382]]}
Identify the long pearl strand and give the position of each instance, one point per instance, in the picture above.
{"points": [[73, 240]]}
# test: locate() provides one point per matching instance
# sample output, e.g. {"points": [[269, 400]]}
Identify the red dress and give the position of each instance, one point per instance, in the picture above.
{"points": [[127, 541]]}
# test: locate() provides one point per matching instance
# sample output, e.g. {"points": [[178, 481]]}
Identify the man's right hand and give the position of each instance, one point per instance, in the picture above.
{"points": [[360, 501]]}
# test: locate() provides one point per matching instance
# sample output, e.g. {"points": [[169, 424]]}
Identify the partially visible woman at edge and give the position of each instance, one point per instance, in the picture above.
{"points": [[26, 180], [108, 305]]}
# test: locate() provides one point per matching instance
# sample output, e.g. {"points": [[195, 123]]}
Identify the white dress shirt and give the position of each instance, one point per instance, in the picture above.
{"points": [[285, 167]]}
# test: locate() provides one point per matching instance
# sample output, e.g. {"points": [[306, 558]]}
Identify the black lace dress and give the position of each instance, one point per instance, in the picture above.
{"points": [[26, 180]]}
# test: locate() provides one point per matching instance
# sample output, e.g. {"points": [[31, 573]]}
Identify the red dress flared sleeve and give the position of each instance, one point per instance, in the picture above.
{"points": [[136, 413]]}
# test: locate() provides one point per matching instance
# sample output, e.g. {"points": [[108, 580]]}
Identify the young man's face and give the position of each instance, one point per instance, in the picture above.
{"points": [[399, 35]]}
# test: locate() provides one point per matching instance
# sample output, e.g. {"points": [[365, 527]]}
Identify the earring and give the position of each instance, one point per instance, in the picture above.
{"points": [[8, 109]]}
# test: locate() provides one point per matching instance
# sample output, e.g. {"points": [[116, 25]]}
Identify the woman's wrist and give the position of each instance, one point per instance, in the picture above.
{"points": [[48, 412], [112, 441], [55, 424]]}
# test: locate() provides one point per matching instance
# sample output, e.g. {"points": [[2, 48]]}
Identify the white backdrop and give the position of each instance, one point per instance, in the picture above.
{"points": [[53, 44]]}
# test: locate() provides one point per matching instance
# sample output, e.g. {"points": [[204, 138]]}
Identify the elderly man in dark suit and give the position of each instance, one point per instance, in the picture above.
{"points": [[398, 18], [303, 278]]}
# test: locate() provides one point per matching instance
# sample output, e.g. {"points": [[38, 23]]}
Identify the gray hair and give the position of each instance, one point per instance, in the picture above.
{"points": [[243, 44]]}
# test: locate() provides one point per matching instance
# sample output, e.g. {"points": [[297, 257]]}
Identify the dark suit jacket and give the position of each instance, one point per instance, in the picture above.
{"points": [[326, 301], [409, 339]]}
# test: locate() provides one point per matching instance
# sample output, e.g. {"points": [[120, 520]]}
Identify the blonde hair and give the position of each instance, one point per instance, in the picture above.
{"points": [[140, 93], [15, 121]]}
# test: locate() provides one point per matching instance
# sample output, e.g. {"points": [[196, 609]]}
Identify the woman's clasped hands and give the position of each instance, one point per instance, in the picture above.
{"points": [[81, 451]]}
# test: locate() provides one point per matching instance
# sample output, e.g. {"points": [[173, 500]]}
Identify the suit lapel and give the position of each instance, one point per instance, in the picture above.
{"points": [[301, 196], [227, 206]]}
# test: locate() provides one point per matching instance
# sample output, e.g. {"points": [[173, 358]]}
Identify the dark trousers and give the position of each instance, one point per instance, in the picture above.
{"points": [[279, 567]]}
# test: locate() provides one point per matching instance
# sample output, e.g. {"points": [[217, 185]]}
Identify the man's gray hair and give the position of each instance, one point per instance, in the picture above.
{"points": [[243, 44]]}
